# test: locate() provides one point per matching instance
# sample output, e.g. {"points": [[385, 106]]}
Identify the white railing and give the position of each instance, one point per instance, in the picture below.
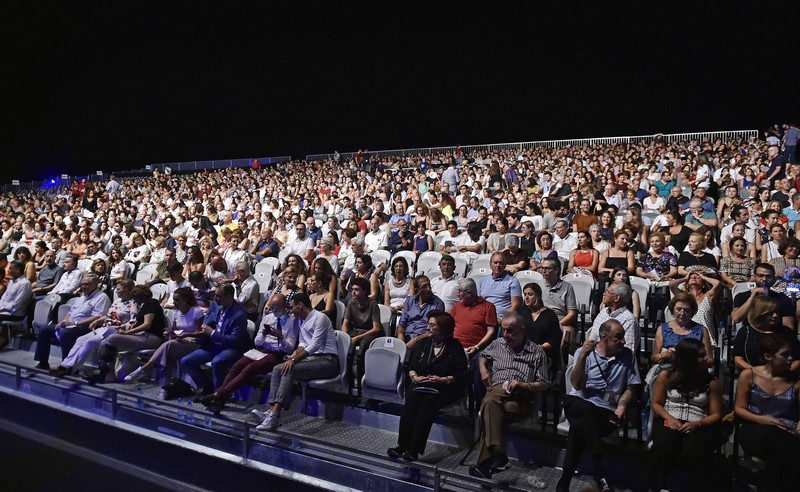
{"points": [[669, 138]]}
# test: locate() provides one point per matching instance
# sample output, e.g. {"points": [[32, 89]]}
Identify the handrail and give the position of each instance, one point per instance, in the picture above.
{"points": [[672, 137]]}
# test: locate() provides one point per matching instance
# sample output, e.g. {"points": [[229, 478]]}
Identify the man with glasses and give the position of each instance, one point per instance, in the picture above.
{"points": [[560, 297], [412, 326], [764, 278], [698, 217], [603, 380], [500, 288], [615, 299], [90, 306], [70, 279]]}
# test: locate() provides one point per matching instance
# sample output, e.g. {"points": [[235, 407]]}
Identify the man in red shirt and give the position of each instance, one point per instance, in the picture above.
{"points": [[476, 324]]}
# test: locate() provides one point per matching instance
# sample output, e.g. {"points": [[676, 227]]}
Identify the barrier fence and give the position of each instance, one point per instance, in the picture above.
{"points": [[669, 138], [176, 167]]}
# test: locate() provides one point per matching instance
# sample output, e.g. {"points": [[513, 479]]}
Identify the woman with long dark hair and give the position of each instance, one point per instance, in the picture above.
{"points": [[687, 403]]}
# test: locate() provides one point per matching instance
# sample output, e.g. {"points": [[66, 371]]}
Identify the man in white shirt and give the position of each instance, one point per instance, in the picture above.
{"points": [[563, 241], [376, 238], [246, 289], [18, 294], [445, 287], [615, 300], [70, 279], [302, 244]]}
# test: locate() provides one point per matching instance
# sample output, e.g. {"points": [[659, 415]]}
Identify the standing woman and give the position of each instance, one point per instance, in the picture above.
{"points": [[437, 368], [541, 324], [768, 404], [687, 403]]}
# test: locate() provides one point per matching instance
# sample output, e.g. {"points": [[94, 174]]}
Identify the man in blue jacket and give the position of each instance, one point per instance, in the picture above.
{"points": [[224, 343]]}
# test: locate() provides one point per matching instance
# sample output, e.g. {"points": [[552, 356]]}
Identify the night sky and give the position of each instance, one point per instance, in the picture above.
{"points": [[89, 87]]}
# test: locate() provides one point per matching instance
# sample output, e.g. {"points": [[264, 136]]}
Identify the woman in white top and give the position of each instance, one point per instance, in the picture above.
{"points": [[182, 334], [652, 201], [398, 286]]}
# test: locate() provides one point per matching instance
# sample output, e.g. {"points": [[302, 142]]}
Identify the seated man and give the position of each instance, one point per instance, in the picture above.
{"points": [[315, 357], [514, 257], [615, 300], [276, 339], [17, 297], [413, 322], [176, 281], [500, 288], [48, 276], [362, 321], [70, 279], [246, 289], [224, 343], [560, 297], [445, 287], [602, 388], [90, 306], [518, 370], [402, 239]]}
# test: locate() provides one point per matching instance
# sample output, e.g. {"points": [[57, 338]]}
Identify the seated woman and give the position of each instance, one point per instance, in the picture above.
{"points": [[763, 319], [287, 286], [771, 249], [768, 405], [326, 253], [145, 332], [472, 242], [694, 258], [183, 337], [321, 265], [598, 242], [398, 286], [739, 231], [657, 264], [711, 242], [705, 291], [364, 270], [118, 266], [786, 265], [617, 255], [437, 368], [194, 261], [541, 324], [118, 316], [422, 241], [322, 299], [544, 248], [683, 307], [738, 266], [584, 258], [687, 403]]}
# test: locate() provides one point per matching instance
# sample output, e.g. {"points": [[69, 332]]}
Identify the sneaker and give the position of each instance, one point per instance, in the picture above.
{"points": [[134, 376], [259, 415], [270, 423], [162, 394]]}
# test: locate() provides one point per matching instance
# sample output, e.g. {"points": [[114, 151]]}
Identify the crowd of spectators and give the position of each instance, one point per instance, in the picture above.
{"points": [[689, 218]]}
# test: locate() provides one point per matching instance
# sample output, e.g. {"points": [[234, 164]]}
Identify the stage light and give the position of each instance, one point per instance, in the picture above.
{"points": [[52, 181]]}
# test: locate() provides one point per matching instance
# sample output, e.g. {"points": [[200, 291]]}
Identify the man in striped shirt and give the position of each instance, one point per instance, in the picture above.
{"points": [[518, 371]]}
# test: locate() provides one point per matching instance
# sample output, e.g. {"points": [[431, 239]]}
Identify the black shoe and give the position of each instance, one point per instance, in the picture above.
{"points": [[480, 471], [410, 456], [198, 398], [496, 461], [395, 452], [215, 405], [61, 371], [43, 366], [99, 377], [206, 399], [603, 485]]}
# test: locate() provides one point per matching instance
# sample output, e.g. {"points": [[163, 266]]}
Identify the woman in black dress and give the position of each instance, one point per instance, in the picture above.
{"points": [[437, 369], [541, 324]]}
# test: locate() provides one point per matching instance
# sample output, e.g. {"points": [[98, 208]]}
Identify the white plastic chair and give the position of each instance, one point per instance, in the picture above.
{"points": [[428, 261], [158, 290], [383, 370], [525, 277], [386, 318], [482, 261], [338, 383], [463, 262], [410, 258]]}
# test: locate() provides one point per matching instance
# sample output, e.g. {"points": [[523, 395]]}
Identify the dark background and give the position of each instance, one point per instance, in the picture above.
{"points": [[88, 87]]}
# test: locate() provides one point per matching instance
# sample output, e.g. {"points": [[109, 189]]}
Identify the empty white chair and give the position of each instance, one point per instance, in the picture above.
{"points": [[463, 262], [264, 281], [477, 273], [380, 256], [383, 370], [428, 261], [482, 261], [642, 287], [145, 272], [386, 318], [158, 290], [339, 314], [527, 276]]}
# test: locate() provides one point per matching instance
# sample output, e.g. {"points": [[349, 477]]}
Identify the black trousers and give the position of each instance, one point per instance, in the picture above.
{"points": [[588, 424], [674, 450], [417, 419]]}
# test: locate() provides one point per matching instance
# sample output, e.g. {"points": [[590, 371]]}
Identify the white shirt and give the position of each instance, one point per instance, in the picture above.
{"points": [[564, 246], [376, 240], [69, 283], [446, 290], [300, 246], [16, 297]]}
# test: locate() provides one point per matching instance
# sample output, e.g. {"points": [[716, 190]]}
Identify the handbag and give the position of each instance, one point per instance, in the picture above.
{"points": [[177, 388]]}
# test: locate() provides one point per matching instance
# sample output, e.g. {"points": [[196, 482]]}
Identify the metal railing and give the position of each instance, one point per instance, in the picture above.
{"points": [[669, 138], [176, 167]]}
